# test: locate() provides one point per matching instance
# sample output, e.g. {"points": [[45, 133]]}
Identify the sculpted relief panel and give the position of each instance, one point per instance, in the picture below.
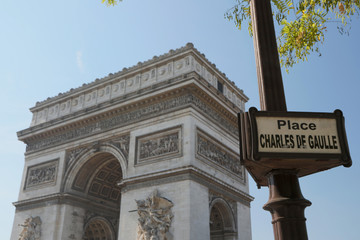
{"points": [[41, 174], [214, 151], [155, 217], [159, 145]]}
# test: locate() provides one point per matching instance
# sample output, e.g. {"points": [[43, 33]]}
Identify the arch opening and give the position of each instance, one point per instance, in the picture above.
{"points": [[95, 181], [98, 177], [222, 224], [98, 229]]}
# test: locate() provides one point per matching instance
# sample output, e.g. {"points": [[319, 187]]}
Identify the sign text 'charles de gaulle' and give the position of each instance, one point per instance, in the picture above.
{"points": [[309, 142]]}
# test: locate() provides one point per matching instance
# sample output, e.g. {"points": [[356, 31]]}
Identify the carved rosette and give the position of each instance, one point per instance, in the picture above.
{"points": [[31, 229], [155, 217]]}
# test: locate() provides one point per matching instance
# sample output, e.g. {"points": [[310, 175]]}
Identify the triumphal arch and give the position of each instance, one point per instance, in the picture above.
{"points": [[150, 152]]}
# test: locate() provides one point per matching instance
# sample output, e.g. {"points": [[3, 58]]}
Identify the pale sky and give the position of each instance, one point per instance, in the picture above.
{"points": [[48, 47]]}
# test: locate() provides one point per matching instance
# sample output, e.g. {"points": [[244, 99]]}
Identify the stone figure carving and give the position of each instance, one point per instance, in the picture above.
{"points": [[72, 155], [122, 144], [155, 217], [159, 146], [214, 152], [31, 229], [42, 174]]}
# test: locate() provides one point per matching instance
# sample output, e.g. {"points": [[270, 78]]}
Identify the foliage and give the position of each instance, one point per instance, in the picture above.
{"points": [[110, 2], [302, 24]]}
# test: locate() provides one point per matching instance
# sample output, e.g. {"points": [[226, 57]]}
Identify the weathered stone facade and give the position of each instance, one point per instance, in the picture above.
{"points": [[163, 133]]}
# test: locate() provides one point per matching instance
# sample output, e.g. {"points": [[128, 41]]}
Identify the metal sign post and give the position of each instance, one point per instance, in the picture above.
{"points": [[286, 203]]}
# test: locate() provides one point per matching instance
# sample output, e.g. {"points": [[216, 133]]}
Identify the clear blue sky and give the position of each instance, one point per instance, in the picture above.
{"points": [[47, 47]]}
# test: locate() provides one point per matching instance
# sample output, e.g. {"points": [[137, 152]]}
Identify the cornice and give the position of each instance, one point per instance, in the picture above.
{"points": [[134, 80], [136, 182], [191, 95], [95, 111], [63, 198], [134, 68], [185, 173]]}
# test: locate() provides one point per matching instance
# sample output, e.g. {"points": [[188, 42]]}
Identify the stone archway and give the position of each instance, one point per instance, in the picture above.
{"points": [[222, 224], [98, 229], [98, 178], [93, 178]]}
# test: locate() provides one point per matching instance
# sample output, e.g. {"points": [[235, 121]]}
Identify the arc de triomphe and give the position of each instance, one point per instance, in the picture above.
{"points": [[150, 152]]}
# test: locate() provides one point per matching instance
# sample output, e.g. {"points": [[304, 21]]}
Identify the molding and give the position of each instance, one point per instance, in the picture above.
{"points": [[188, 48], [182, 174], [172, 101], [65, 198]]}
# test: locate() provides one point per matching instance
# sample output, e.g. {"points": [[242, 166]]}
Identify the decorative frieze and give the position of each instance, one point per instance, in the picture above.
{"points": [[42, 174], [155, 217], [122, 119], [31, 229], [210, 149], [158, 146]]}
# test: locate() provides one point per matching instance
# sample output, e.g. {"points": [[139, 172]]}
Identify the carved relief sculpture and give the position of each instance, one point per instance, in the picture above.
{"points": [[71, 155], [43, 174], [215, 152], [31, 229], [155, 217], [161, 145], [122, 144]]}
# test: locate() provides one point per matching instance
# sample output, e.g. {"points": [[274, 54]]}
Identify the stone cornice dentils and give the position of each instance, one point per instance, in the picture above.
{"points": [[92, 109], [78, 92], [24, 134], [145, 66]]}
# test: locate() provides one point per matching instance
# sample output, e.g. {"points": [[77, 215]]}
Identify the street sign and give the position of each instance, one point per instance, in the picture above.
{"points": [[305, 141], [297, 135]]}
